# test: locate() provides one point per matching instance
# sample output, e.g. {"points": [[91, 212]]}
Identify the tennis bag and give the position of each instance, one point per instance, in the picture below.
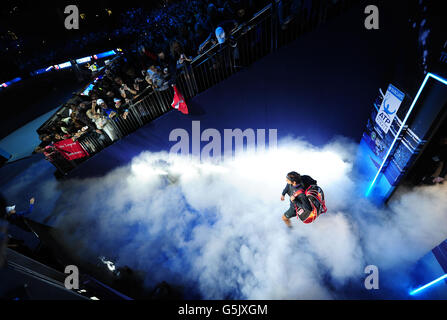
{"points": [[316, 198]]}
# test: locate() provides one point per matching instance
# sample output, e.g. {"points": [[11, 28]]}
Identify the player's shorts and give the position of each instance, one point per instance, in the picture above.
{"points": [[291, 212]]}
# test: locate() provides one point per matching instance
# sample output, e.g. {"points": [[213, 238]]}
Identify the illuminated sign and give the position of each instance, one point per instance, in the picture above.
{"points": [[105, 54], [64, 65], [388, 110], [428, 285], [84, 60], [8, 83], [404, 122]]}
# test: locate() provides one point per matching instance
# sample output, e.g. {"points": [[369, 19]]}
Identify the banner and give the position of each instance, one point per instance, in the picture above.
{"points": [[70, 149], [179, 102], [388, 110]]}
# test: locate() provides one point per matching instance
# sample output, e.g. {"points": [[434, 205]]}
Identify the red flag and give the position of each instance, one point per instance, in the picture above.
{"points": [[70, 149], [179, 102]]}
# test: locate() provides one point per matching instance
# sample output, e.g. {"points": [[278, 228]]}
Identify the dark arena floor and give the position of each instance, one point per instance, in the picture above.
{"points": [[209, 227]]}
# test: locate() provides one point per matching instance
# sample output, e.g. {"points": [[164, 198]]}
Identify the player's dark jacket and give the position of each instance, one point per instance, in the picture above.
{"points": [[301, 201]]}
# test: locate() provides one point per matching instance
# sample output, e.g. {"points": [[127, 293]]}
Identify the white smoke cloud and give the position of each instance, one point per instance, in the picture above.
{"points": [[218, 227]]}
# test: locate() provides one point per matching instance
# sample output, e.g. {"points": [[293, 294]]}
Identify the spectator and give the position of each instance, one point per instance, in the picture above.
{"points": [[214, 17], [110, 96], [125, 90], [284, 6], [105, 110], [167, 64], [103, 124], [178, 53], [437, 162], [200, 35], [124, 112], [156, 79], [45, 141], [140, 85], [220, 35]]}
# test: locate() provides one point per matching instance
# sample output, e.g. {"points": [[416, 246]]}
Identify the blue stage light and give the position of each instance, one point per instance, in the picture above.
{"points": [[105, 54], [37, 72], [428, 285], [403, 125], [88, 89], [64, 65], [8, 83]]}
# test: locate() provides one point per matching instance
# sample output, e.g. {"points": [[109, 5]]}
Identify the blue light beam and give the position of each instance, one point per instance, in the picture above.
{"points": [[412, 293], [403, 126]]}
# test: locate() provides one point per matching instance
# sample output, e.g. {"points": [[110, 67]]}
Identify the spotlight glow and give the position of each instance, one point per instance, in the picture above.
{"points": [[428, 285]]}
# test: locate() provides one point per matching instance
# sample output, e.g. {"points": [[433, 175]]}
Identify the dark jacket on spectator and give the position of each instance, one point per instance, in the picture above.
{"points": [[17, 218]]}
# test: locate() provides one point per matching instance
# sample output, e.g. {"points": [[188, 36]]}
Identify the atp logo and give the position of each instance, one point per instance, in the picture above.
{"points": [[386, 108]]}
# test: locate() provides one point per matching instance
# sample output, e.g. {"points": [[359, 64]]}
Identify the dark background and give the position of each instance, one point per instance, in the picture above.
{"points": [[30, 29]]}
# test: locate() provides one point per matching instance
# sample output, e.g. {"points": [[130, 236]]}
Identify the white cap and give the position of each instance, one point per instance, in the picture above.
{"points": [[116, 100], [220, 35], [99, 101], [9, 209]]}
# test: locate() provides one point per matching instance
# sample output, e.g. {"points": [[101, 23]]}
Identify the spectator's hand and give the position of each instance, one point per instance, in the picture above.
{"points": [[438, 180], [98, 131], [32, 200], [112, 114], [282, 198], [125, 115], [292, 198], [38, 150]]}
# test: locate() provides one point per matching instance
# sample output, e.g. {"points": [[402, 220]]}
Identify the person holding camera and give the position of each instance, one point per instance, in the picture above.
{"points": [[126, 91]]}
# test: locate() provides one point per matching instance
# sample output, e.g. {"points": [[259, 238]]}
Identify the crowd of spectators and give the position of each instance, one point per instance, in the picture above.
{"points": [[188, 21], [107, 100], [170, 39]]}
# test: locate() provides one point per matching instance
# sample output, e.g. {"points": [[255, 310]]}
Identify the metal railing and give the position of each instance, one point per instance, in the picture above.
{"points": [[248, 43]]}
